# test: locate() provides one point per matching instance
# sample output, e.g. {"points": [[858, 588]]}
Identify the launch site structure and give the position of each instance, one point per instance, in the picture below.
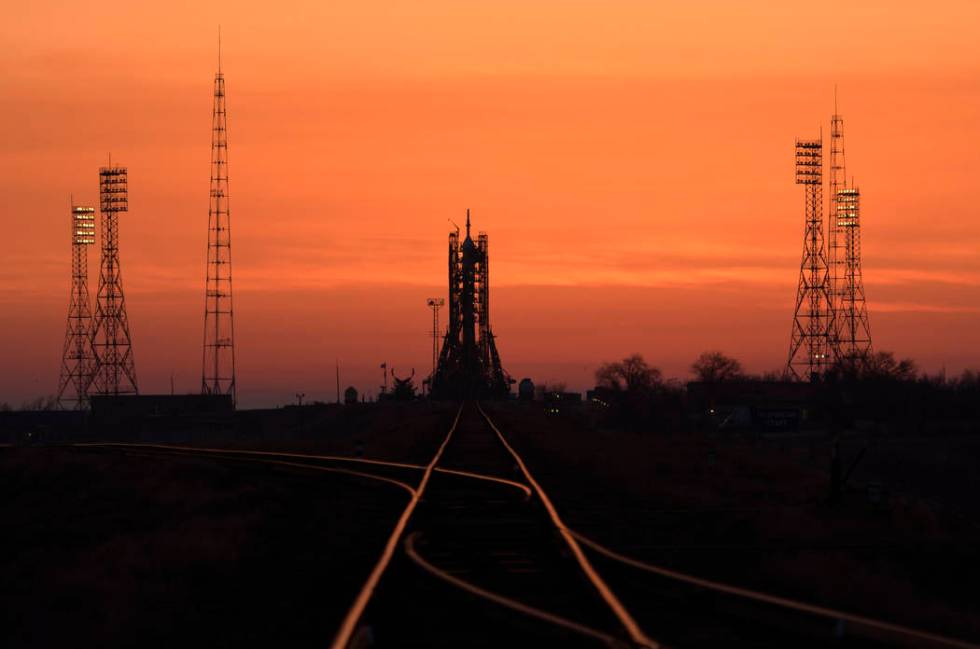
{"points": [[469, 365], [831, 328], [810, 351], [218, 352], [115, 368], [850, 329], [78, 356]]}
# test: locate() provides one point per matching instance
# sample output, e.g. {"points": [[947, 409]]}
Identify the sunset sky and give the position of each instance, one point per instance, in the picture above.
{"points": [[630, 161]]}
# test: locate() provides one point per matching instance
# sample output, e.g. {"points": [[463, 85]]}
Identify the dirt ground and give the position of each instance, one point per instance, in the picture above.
{"points": [[109, 549], [755, 512]]}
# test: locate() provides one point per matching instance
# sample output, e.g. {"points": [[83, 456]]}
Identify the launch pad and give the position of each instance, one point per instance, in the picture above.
{"points": [[469, 365]]}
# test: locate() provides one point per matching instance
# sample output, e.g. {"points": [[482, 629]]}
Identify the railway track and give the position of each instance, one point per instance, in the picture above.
{"points": [[481, 557], [490, 563]]}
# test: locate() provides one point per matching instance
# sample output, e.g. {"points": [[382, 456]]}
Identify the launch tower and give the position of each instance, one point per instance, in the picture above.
{"points": [[469, 365]]}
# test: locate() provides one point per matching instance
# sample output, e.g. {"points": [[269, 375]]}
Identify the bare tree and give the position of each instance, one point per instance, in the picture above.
{"points": [[631, 374], [714, 366], [884, 365]]}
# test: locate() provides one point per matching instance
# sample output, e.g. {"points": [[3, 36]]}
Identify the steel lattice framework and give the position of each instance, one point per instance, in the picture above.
{"points": [[850, 329], [469, 364], [809, 347], [218, 354], [115, 368], [78, 357], [835, 239]]}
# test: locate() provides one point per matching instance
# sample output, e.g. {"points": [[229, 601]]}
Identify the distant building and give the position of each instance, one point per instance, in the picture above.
{"points": [[525, 390], [350, 395], [771, 406]]}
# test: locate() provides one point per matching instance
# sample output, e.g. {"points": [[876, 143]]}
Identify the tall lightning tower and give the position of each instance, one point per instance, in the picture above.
{"points": [[115, 369], [850, 330], [218, 354], [836, 252], [809, 347], [78, 358], [853, 330]]}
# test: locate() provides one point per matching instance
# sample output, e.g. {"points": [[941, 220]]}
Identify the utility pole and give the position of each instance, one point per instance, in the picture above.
{"points": [[435, 303], [338, 382]]}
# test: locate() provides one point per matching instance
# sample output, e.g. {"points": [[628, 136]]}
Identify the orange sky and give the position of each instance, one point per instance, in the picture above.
{"points": [[631, 161]]}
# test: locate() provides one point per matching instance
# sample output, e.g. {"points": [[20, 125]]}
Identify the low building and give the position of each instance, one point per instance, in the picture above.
{"points": [[767, 406]]}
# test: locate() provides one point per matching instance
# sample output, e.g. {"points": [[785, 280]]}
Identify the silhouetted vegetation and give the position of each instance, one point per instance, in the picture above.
{"points": [[44, 403], [632, 374], [637, 396], [883, 393], [714, 366]]}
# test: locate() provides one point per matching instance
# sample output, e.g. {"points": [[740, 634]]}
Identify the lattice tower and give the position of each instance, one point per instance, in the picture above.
{"points": [[78, 357], [115, 368], [218, 354], [853, 332], [836, 244], [809, 348]]}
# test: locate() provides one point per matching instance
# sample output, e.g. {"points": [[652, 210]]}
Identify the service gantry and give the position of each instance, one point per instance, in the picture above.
{"points": [[78, 357], [809, 347], [469, 365], [115, 368], [218, 353]]}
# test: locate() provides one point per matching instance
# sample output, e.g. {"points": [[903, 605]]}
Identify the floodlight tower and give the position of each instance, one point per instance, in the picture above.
{"points": [[809, 349], [78, 358], [115, 368], [853, 332], [218, 354], [435, 303]]}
